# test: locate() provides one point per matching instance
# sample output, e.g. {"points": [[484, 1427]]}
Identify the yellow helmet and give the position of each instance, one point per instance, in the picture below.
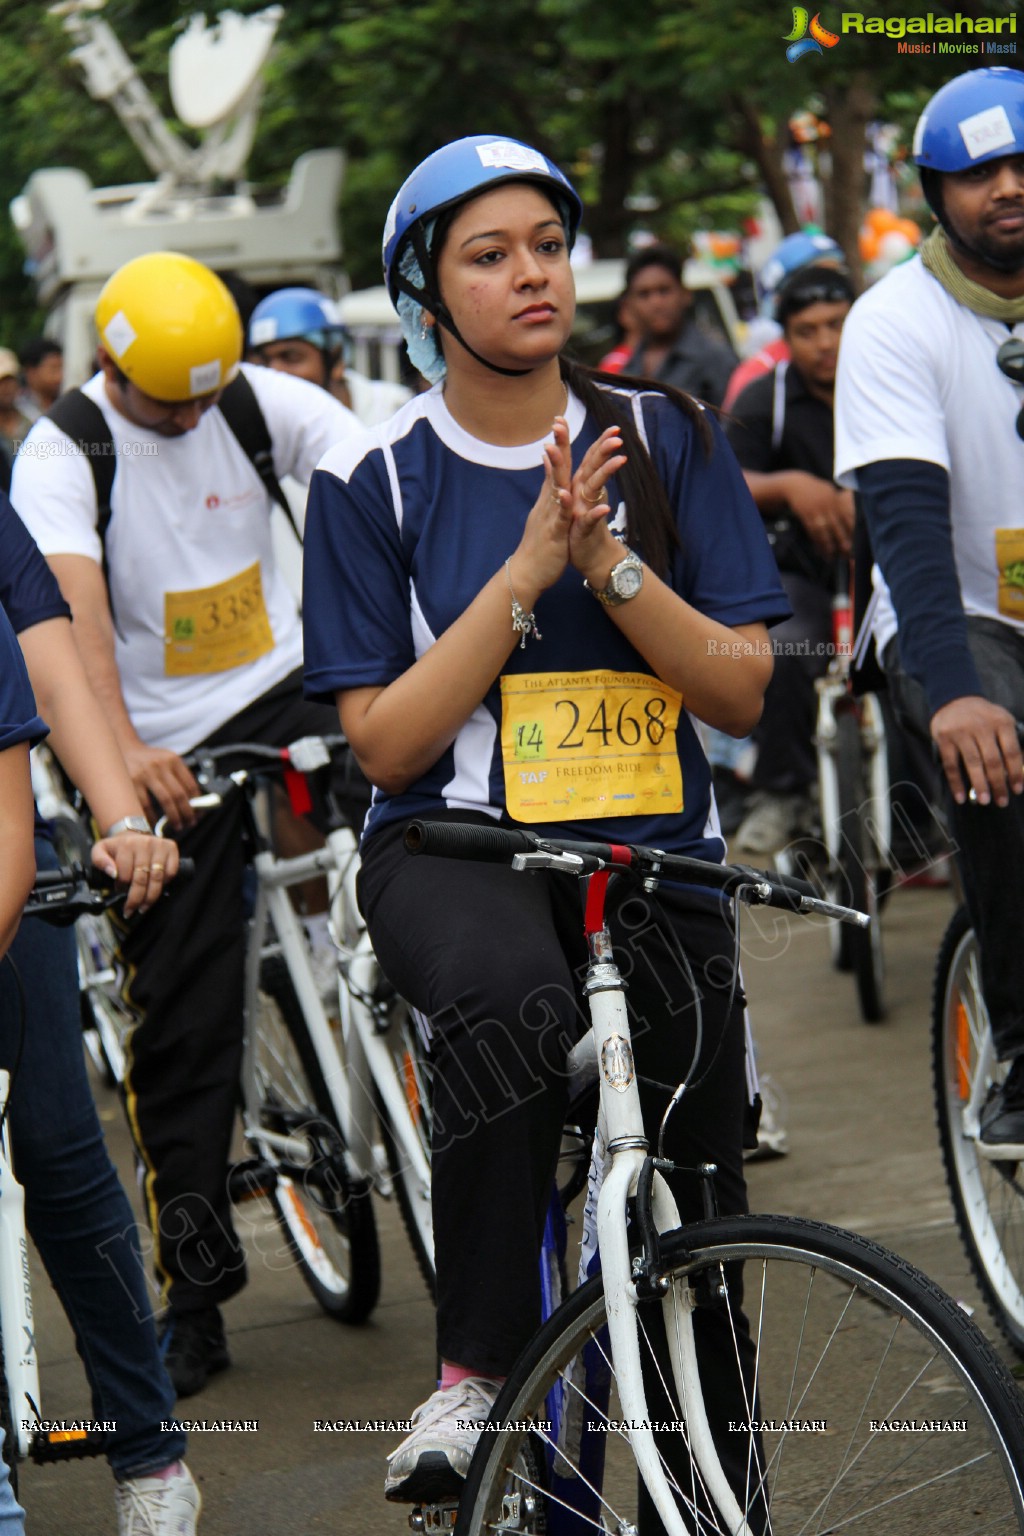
{"points": [[170, 325]]}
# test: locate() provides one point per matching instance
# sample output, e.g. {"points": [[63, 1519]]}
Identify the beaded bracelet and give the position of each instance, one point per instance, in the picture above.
{"points": [[522, 622]]}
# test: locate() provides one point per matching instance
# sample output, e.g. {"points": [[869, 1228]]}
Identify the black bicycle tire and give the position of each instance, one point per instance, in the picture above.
{"points": [[745, 1238], [364, 1282], [863, 947], [951, 951], [403, 1195]]}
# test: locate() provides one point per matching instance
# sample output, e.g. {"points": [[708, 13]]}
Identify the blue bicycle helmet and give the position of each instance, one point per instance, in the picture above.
{"points": [[452, 175], [300, 313], [803, 249], [807, 248], [976, 117]]}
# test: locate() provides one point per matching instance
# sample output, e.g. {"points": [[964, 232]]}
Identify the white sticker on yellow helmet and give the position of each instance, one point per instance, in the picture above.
{"points": [[204, 378], [987, 131], [118, 334], [503, 154]]}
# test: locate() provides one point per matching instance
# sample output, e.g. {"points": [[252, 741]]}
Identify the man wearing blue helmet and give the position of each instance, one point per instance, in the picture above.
{"points": [[524, 524], [299, 331], [930, 432]]}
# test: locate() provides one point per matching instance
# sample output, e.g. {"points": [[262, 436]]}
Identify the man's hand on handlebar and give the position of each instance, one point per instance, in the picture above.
{"points": [[979, 749], [163, 781]]}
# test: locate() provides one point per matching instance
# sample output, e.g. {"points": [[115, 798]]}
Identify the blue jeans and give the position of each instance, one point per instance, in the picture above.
{"points": [[12, 1516], [75, 1209]]}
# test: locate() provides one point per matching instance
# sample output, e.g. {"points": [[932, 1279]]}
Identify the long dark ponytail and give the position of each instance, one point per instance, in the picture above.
{"points": [[651, 519]]}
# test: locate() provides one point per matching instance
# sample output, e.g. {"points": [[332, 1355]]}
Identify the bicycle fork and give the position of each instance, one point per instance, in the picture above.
{"points": [[624, 1284]]}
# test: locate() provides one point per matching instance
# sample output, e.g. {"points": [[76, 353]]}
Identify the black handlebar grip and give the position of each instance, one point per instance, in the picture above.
{"points": [[462, 840]]}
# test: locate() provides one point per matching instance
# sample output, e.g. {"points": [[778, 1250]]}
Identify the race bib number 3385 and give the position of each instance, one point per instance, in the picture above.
{"points": [[215, 628], [579, 745]]}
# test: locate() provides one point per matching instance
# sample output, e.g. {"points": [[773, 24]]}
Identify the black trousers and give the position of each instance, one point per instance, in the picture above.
{"points": [[787, 759], [989, 841], [495, 958], [186, 965]]}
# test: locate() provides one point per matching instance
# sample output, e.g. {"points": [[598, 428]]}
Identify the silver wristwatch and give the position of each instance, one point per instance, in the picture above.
{"points": [[624, 582], [129, 824]]}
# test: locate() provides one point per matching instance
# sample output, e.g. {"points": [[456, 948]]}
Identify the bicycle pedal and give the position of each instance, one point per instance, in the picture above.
{"points": [[434, 1517], [251, 1179], [52, 1445]]}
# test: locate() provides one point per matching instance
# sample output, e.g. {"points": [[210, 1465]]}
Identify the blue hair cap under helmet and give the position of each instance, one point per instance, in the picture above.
{"points": [[978, 116]]}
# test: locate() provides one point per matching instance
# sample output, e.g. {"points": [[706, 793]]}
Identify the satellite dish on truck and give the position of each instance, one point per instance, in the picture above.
{"points": [[213, 69]]}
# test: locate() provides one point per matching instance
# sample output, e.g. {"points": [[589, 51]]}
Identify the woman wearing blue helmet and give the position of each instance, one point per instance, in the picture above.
{"points": [[511, 548]]}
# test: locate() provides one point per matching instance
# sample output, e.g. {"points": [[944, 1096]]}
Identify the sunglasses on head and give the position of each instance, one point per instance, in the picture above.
{"points": [[1010, 358]]}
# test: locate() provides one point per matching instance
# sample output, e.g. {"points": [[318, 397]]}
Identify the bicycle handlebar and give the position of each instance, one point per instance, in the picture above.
{"points": [[306, 754], [501, 845], [62, 895]]}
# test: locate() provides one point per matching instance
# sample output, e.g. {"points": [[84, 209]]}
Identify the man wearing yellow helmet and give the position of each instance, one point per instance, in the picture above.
{"points": [[191, 637]]}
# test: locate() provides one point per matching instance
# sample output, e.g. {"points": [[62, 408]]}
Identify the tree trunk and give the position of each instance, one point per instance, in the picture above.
{"points": [[767, 155], [849, 109]]}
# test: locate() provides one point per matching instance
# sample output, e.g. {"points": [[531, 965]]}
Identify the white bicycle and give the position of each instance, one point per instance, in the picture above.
{"points": [[870, 1401], [334, 1093]]}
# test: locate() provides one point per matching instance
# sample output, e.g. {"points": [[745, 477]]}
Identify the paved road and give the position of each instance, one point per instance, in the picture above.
{"points": [[864, 1155]]}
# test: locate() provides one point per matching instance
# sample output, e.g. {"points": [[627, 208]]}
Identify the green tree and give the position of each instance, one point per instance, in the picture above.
{"points": [[671, 116]]}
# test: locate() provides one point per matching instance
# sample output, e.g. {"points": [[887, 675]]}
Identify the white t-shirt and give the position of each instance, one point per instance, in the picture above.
{"points": [[188, 514], [918, 379]]}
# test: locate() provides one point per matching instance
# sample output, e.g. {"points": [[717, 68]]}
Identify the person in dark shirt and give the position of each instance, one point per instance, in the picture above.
{"points": [[782, 432], [75, 1208], [673, 348]]}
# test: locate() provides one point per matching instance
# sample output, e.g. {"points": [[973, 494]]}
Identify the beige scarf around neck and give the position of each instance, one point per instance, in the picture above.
{"points": [[938, 258]]}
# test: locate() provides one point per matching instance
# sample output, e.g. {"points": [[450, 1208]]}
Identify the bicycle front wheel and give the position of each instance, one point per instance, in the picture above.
{"points": [[865, 1400], [988, 1197], [327, 1219]]}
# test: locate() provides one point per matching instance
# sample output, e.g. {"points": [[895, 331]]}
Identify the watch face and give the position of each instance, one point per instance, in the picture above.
{"points": [[628, 581]]}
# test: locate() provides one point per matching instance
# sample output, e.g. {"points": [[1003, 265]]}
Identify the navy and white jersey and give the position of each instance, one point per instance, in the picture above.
{"points": [[406, 525]]}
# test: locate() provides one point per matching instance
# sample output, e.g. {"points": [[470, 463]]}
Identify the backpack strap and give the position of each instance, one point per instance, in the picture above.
{"points": [[241, 410], [82, 420]]}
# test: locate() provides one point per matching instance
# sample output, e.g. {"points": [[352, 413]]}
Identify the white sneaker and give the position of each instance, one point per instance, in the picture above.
{"points": [[158, 1506], [771, 822], [772, 1138], [431, 1463]]}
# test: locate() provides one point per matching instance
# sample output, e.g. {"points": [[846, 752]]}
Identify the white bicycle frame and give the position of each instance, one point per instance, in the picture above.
{"points": [[621, 1131], [357, 1063], [16, 1319], [831, 690]]}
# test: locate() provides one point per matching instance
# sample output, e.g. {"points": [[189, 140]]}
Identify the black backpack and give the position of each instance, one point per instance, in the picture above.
{"points": [[83, 421]]}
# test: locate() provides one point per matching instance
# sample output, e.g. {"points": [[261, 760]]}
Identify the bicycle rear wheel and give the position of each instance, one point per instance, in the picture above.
{"points": [[326, 1217], [412, 1070], [843, 1337], [860, 950], [988, 1197]]}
